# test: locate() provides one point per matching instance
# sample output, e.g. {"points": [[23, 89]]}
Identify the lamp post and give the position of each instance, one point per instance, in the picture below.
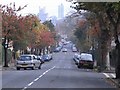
{"points": [[5, 52]]}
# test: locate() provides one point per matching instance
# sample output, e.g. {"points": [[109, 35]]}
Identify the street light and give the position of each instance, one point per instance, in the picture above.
{"points": [[5, 53]]}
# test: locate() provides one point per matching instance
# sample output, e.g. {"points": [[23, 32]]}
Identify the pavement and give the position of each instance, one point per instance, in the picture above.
{"points": [[111, 76], [10, 67]]}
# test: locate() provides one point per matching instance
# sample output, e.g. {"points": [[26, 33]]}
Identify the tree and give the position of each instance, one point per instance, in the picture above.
{"points": [[50, 25], [108, 15], [9, 18]]}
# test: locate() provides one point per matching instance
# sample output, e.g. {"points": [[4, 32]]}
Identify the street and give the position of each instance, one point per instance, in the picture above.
{"points": [[61, 72]]}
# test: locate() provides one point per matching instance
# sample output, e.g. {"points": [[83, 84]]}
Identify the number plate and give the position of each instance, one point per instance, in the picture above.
{"points": [[86, 64], [24, 65]]}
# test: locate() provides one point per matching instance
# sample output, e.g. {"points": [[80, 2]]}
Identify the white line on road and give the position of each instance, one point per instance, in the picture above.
{"points": [[30, 83], [109, 75], [106, 75], [37, 78], [113, 75]]}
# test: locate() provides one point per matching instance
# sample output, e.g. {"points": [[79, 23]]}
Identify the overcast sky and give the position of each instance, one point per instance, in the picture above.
{"points": [[33, 6]]}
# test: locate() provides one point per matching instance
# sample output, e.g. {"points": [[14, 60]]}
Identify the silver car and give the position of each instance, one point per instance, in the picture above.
{"points": [[76, 58], [27, 61]]}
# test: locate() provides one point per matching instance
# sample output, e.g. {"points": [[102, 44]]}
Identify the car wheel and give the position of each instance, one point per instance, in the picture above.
{"points": [[91, 67], [39, 67], [76, 63], [78, 66], [18, 68], [33, 67]]}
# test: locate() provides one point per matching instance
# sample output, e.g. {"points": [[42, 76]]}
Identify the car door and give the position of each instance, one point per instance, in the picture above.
{"points": [[37, 62]]}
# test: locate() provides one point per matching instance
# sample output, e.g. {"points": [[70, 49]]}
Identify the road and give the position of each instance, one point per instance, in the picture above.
{"points": [[61, 72]]}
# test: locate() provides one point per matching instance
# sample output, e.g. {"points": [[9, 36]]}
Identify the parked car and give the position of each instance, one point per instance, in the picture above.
{"points": [[50, 56], [76, 58], [86, 60], [64, 50], [39, 57], [58, 49], [46, 57], [27, 61], [74, 49]]}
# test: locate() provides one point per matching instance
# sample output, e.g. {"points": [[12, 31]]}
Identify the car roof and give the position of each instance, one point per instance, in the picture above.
{"points": [[28, 55]]}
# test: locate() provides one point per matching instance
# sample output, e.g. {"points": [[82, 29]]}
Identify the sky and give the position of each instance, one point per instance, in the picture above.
{"points": [[51, 6]]}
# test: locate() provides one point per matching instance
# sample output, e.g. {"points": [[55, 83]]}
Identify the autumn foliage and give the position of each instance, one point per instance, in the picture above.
{"points": [[24, 31], [95, 29]]}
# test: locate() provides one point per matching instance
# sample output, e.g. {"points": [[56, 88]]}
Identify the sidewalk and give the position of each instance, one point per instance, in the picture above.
{"points": [[11, 67], [115, 81]]}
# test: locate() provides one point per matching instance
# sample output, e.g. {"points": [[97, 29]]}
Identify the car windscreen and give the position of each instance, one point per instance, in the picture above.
{"points": [[86, 57], [45, 56], [25, 58]]}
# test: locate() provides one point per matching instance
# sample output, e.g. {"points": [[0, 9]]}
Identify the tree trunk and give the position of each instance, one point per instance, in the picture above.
{"points": [[5, 53], [40, 51], [103, 44], [108, 62], [117, 70], [116, 24]]}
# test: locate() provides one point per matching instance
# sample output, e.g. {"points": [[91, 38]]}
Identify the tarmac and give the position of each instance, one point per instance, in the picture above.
{"points": [[113, 80]]}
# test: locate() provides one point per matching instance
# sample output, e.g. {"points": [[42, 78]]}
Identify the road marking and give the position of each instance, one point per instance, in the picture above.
{"points": [[113, 75], [109, 75], [106, 75], [30, 83], [37, 78]]}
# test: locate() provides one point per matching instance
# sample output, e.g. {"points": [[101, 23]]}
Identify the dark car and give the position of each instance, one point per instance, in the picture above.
{"points": [[40, 59], [46, 57], [86, 61], [58, 49]]}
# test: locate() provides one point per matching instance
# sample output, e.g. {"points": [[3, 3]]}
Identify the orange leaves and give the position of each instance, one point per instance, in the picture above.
{"points": [[95, 30], [81, 22], [45, 38], [26, 30]]}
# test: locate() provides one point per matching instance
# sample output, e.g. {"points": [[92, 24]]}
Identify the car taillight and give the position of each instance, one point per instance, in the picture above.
{"points": [[81, 62], [91, 62]]}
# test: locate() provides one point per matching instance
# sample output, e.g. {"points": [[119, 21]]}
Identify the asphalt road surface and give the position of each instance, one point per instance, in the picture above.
{"points": [[61, 72]]}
